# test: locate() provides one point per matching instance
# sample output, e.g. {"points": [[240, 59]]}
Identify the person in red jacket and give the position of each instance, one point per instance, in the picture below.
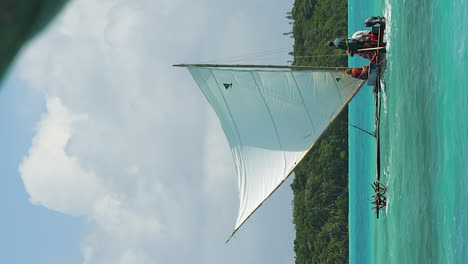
{"points": [[358, 73]]}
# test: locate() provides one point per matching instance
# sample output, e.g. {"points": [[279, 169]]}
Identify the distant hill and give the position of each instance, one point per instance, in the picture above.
{"points": [[320, 186]]}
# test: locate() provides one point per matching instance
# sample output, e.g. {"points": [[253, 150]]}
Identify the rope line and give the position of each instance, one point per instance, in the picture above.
{"points": [[267, 56]]}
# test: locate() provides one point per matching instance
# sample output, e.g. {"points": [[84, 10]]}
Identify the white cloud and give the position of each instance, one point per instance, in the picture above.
{"points": [[130, 143], [114, 217], [48, 168], [219, 170], [130, 257]]}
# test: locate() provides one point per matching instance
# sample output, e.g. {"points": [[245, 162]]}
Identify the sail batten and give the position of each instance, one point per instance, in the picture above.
{"points": [[303, 102], [271, 119]]}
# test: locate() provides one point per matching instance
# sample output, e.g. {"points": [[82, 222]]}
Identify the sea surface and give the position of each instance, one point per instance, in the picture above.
{"points": [[424, 135]]}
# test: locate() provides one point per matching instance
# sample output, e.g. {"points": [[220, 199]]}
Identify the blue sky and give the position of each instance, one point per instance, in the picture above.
{"points": [[29, 232], [110, 155]]}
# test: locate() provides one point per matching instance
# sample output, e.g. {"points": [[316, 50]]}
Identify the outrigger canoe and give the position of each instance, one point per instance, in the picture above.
{"points": [[376, 68]]}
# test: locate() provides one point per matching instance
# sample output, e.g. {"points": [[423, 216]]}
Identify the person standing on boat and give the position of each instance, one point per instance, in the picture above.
{"points": [[369, 38], [361, 35], [346, 44]]}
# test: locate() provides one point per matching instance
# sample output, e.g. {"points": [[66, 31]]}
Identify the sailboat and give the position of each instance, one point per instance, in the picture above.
{"points": [[272, 116]]}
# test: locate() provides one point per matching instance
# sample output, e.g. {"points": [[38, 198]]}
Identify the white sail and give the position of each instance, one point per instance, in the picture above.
{"points": [[271, 119]]}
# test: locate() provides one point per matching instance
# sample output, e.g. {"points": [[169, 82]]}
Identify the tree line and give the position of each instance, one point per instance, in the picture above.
{"points": [[320, 187]]}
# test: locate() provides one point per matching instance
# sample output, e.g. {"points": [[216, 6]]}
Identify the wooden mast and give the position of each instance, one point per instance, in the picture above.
{"points": [[263, 66]]}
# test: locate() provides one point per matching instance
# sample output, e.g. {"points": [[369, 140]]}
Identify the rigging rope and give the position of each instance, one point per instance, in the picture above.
{"points": [[250, 55], [266, 55]]}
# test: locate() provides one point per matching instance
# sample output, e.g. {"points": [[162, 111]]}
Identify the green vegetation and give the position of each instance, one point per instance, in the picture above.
{"points": [[321, 183], [20, 20], [315, 23], [321, 199]]}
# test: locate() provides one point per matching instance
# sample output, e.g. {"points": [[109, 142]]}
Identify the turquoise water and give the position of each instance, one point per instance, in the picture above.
{"points": [[424, 137]]}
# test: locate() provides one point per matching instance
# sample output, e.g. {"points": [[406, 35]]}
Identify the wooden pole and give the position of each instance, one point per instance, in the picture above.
{"points": [[370, 49], [263, 66]]}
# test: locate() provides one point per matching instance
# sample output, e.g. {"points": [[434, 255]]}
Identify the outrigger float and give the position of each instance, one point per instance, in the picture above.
{"points": [[376, 69]]}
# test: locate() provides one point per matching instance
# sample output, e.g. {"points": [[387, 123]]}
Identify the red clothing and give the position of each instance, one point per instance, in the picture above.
{"points": [[373, 41], [360, 73], [356, 72]]}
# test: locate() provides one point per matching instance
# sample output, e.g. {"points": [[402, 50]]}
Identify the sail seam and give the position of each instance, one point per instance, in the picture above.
{"points": [[272, 120], [236, 129], [337, 88], [303, 102]]}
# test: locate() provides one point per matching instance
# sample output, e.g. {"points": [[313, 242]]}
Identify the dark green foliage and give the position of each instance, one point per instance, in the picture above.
{"points": [[321, 199], [315, 23], [321, 183], [20, 20]]}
